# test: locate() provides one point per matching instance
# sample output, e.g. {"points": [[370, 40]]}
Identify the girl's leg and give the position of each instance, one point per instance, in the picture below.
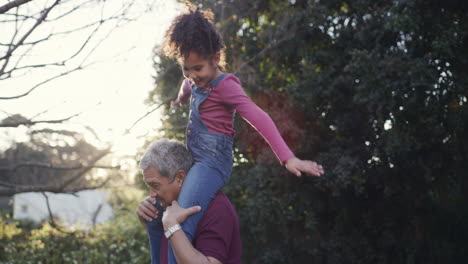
{"points": [[155, 233], [200, 187]]}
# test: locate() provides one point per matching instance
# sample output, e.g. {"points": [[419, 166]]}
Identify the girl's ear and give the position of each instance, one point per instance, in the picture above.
{"points": [[216, 58]]}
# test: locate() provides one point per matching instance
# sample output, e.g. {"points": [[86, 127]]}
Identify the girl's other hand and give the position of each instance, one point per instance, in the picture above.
{"points": [[296, 166], [146, 210], [175, 102]]}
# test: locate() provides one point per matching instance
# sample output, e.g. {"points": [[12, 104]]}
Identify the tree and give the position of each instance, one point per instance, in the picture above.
{"points": [[53, 161], [57, 158], [374, 90], [24, 23]]}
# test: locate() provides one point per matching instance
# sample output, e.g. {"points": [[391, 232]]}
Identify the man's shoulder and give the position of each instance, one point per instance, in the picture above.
{"points": [[218, 233], [221, 206], [220, 212], [221, 198]]}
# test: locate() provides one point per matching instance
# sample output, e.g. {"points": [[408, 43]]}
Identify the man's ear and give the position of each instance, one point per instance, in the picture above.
{"points": [[180, 177]]}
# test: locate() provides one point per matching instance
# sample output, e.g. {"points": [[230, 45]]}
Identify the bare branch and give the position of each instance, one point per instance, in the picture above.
{"points": [[99, 23], [167, 101], [41, 83], [30, 43], [13, 4], [8, 73], [92, 131], [54, 131], [20, 42], [86, 41], [44, 165], [70, 11], [119, 16], [27, 122], [16, 188], [99, 186], [10, 47], [63, 187], [95, 214], [85, 169], [45, 111], [16, 16], [52, 218]]}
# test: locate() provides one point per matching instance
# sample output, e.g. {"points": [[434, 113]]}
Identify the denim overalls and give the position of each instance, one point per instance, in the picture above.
{"points": [[212, 155]]}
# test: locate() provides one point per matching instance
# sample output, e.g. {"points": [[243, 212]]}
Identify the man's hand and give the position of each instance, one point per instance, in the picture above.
{"points": [[146, 210], [183, 249], [296, 166], [174, 214]]}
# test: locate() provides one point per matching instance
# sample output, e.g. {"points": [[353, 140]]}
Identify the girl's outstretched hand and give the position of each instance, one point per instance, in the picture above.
{"points": [[296, 166]]}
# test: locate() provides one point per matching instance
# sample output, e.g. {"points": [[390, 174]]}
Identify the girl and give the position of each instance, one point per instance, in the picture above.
{"points": [[214, 98]]}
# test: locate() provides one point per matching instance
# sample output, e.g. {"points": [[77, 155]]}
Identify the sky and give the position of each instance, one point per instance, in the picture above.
{"points": [[109, 93]]}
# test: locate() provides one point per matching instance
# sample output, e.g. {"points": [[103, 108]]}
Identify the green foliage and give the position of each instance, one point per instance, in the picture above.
{"points": [[377, 92], [8, 230], [121, 240]]}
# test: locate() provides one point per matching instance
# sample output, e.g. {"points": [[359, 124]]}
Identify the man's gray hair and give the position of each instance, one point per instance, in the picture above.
{"points": [[168, 157]]}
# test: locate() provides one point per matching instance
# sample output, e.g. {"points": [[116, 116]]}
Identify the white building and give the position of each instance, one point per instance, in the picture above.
{"points": [[70, 210]]}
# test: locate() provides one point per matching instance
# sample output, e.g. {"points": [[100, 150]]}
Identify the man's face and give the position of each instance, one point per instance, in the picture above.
{"points": [[160, 187], [199, 70]]}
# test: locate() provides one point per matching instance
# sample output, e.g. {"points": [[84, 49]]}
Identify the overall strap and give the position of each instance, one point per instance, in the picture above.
{"points": [[215, 82]]}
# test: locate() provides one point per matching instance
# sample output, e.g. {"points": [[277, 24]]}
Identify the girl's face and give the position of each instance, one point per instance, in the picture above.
{"points": [[199, 70]]}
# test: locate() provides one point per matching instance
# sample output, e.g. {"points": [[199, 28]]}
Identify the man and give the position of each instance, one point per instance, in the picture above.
{"points": [[165, 165]]}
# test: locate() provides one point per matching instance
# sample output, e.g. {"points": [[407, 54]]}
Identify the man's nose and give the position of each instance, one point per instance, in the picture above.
{"points": [[153, 193]]}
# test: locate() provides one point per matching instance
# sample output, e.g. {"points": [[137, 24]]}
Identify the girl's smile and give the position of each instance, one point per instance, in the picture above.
{"points": [[200, 70]]}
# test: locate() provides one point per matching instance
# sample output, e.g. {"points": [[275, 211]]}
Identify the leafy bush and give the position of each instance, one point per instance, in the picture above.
{"points": [[121, 240]]}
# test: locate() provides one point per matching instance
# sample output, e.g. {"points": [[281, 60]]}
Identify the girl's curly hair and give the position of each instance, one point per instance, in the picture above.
{"points": [[193, 31]]}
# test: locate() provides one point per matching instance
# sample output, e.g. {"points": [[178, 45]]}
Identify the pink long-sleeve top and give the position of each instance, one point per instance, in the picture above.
{"points": [[227, 98]]}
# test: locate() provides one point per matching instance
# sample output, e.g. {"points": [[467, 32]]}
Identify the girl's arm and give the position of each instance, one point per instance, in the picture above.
{"points": [[296, 166], [261, 121], [184, 93]]}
